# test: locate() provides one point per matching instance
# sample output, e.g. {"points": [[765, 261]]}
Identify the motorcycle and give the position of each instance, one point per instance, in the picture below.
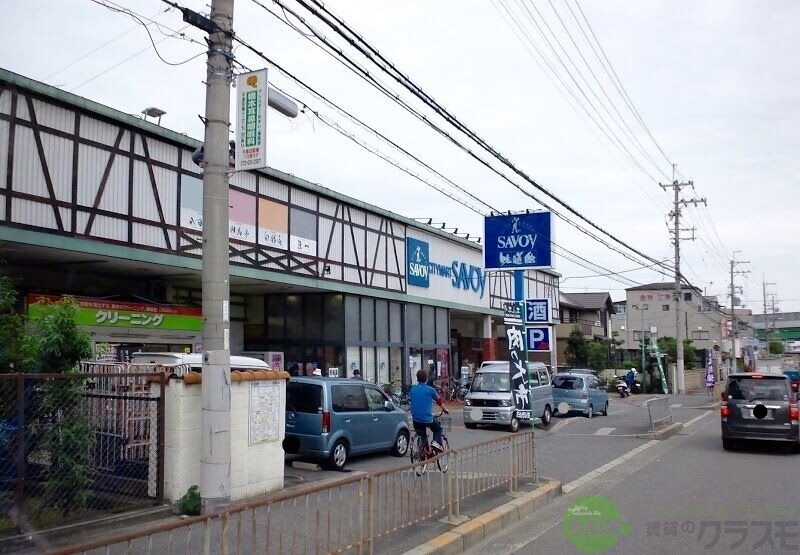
{"points": [[637, 387], [622, 389]]}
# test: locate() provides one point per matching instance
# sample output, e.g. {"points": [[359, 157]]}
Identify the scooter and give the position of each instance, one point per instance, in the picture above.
{"points": [[622, 389], [637, 387]]}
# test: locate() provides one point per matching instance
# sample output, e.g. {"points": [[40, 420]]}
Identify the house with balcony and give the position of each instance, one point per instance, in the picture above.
{"points": [[589, 312]]}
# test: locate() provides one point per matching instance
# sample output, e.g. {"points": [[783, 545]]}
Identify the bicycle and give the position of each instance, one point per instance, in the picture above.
{"points": [[401, 399], [422, 454]]}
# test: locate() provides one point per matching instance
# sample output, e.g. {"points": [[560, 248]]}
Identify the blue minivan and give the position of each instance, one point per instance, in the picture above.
{"points": [[579, 391], [335, 418]]}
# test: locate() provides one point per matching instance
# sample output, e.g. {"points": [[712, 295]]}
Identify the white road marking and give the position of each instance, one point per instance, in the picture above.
{"points": [[676, 406], [604, 431], [696, 418], [566, 488]]}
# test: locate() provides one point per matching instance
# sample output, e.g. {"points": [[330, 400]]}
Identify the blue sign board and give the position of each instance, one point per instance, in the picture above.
{"points": [[537, 311], [538, 338], [517, 241], [418, 260]]}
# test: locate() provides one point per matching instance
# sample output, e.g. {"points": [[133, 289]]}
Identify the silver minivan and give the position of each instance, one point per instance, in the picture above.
{"points": [[490, 400]]}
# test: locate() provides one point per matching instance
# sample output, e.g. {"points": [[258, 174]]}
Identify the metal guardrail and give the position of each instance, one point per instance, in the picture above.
{"points": [[350, 515], [660, 412]]}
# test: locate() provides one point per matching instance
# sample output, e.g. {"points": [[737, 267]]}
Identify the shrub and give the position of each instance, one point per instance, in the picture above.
{"points": [[190, 503]]}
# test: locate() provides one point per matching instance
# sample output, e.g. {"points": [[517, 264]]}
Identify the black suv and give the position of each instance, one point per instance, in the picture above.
{"points": [[759, 407]]}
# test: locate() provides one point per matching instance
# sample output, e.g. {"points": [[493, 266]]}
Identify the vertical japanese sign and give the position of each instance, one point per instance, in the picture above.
{"points": [[517, 366], [251, 118]]}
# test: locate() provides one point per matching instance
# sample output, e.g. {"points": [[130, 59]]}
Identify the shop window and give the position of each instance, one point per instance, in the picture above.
{"points": [[428, 324], [276, 310], [312, 316], [413, 325], [383, 365], [395, 323], [352, 319], [353, 361], [369, 370], [294, 317], [442, 326], [333, 317], [367, 319], [381, 320]]}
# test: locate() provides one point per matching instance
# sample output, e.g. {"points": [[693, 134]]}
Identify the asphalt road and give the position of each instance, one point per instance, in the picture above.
{"points": [[680, 495]]}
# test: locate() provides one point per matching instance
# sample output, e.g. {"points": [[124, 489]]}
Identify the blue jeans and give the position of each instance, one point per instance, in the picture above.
{"points": [[422, 430]]}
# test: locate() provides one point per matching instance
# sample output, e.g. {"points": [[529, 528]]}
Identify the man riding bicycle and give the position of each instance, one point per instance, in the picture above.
{"points": [[423, 397]]}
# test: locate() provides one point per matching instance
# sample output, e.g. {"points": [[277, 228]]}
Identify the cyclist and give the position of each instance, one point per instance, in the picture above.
{"points": [[423, 397]]}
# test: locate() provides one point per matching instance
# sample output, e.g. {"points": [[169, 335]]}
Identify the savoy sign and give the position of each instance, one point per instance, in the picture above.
{"points": [[518, 241]]}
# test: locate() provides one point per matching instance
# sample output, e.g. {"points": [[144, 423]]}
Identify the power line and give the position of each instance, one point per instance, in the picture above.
{"points": [[371, 53]]}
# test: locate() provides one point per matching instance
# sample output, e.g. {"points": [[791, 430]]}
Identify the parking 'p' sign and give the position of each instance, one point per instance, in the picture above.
{"points": [[538, 338]]}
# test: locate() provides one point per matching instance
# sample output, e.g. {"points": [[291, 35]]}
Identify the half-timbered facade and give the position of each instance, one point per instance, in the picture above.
{"points": [[107, 207]]}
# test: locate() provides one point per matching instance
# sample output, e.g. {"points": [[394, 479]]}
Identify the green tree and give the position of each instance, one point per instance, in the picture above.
{"points": [[669, 346], [597, 355], [17, 349], [67, 436], [776, 348], [576, 351]]}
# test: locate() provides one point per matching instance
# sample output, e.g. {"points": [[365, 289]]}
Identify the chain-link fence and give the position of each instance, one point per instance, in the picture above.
{"points": [[77, 446]]}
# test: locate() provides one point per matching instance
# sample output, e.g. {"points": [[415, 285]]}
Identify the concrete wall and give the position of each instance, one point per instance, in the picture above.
{"points": [[255, 469]]}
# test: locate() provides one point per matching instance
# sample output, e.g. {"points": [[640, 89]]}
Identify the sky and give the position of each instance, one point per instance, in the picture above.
{"points": [[593, 100]]}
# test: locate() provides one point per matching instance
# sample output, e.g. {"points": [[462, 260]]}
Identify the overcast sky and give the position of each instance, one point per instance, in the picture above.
{"points": [[715, 83]]}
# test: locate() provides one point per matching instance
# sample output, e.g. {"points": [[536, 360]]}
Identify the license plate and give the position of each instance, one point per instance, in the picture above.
{"points": [[523, 415]]}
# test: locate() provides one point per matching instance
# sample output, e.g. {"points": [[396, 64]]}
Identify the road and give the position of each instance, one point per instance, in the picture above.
{"points": [[680, 495]]}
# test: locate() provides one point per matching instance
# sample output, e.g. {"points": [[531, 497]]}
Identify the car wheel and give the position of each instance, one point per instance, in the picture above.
{"points": [[338, 456], [546, 415], [514, 426], [727, 444], [470, 426], [605, 411], [400, 447], [589, 412]]}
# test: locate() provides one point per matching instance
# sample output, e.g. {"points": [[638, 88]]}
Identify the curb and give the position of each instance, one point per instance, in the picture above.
{"points": [[663, 433], [481, 527]]}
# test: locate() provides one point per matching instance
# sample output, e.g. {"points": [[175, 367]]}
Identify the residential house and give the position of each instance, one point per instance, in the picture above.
{"points": [[589, 312]]}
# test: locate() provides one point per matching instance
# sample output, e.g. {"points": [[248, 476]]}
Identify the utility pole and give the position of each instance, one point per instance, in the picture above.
{"points": [[215, 419], [766, 320], [734, 324], [676, 217]]}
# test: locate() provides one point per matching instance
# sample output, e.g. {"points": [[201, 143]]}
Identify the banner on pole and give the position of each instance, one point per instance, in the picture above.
{"points": [[252, 97]]}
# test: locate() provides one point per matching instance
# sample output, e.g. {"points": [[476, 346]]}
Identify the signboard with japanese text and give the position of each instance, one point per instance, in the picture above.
{"points": [[242, 216], [518, 241], [191, 203], [537, 311], [119, 314], [538, 338], [251, 118], [273, 224], [264, 412], [512, 312], [518, 370]]}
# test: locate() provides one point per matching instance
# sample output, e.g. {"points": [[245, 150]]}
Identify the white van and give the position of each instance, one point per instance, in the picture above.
{"points": [[195, 361]]}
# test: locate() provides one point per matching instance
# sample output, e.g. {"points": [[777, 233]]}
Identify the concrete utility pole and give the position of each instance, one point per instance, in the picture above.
{"points": [[676, 216], [215, 442], [734, 325], [766, 320]]}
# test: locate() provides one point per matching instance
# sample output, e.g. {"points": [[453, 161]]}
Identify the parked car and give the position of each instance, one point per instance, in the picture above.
{"points": [[794, 376], [335, 418], [490, 400], [579, 392], [760, 407]]}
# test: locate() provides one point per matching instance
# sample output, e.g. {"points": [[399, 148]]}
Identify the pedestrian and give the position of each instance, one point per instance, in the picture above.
{"points": [[710, 382], [356, 374], [630, 377]]}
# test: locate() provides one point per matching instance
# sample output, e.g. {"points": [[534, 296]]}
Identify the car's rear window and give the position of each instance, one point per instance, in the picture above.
{"points": [[754, 389], [567, 382], [303, 397]]}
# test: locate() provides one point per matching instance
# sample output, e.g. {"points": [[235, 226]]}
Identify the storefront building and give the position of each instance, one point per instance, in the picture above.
{"points": [[107, 207]]}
